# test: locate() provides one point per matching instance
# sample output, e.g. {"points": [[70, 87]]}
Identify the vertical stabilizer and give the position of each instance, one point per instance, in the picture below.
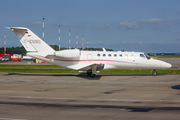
{"points": [[30, 41]]}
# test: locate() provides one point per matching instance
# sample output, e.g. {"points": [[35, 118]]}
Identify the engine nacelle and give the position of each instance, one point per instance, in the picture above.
{"points": [[68, 54]]}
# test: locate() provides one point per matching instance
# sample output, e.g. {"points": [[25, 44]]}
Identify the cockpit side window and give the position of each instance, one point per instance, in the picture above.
{"points": [[142, 56]]}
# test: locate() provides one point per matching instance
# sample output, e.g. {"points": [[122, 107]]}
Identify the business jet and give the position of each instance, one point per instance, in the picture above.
{"points": [[88, 61]]}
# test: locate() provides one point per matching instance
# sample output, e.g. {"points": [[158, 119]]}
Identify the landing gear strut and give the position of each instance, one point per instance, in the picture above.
{"points": [[154, 73], [91, 75]]}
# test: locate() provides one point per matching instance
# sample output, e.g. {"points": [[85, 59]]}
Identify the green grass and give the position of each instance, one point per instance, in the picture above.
{"points": [[37, 70], [40, 69], [43, 66], [168, 71], [174, 67], [125, 71], [139, 71], [74, 71], [167, 56]]}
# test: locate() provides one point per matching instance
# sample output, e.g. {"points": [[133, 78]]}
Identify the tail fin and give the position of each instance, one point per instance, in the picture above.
{"points": [[30, 41]]}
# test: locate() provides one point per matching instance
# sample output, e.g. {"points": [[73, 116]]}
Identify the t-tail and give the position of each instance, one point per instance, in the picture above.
{"points": [[30, 41]]}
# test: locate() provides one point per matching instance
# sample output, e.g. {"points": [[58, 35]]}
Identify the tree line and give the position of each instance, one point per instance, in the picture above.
{"points": [[13, 50], [21, 50]]}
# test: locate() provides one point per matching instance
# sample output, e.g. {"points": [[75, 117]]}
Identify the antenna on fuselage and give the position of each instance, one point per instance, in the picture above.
{"points": [[104, 49]]}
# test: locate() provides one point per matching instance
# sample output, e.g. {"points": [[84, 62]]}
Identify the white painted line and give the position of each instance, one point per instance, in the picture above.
{"points": [[88, 99], [93, 82], [11, 119]]}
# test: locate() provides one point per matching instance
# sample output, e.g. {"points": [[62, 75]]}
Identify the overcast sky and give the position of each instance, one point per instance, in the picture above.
{"points": [[132, 25]]}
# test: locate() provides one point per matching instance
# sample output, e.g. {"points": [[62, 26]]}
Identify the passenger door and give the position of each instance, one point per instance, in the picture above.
{"points": [[90, 57], [132, 57]]}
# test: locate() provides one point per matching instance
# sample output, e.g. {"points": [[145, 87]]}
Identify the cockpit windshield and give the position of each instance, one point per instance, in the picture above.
{"points": [[147, 56]]}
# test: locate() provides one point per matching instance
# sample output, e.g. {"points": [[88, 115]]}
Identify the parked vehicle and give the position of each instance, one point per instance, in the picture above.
{"points": [[6, 58], [16, 57]]}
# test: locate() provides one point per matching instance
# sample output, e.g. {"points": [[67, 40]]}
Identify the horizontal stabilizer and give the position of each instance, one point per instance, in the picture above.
{"points": [[17, 28]]}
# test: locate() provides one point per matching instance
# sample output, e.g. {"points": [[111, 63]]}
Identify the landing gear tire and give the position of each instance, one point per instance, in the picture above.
{"points": [[154, 73], [90, 74]]}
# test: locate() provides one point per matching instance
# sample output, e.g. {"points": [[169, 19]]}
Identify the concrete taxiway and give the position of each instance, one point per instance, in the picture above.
{"points": [[26, 96]]}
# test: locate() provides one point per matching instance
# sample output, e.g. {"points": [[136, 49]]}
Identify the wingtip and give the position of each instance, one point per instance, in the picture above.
{"points": [[7, 27]]}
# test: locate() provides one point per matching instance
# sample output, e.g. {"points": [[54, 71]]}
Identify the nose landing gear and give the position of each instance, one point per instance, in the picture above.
{"points": [[154, 73]]}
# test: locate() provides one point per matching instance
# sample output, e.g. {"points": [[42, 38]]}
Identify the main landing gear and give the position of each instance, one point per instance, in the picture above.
{"points": [[154, 73], [91, 75]]}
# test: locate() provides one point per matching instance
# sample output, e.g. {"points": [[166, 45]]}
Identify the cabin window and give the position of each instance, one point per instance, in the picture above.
{"points": [[142, 56], [115, 55], [126, 55], [109, 55], [104, 55], [98, 55], [120, 55]]}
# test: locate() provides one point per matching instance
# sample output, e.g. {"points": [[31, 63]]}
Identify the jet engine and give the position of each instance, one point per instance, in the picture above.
{"points": [[68, 54]]}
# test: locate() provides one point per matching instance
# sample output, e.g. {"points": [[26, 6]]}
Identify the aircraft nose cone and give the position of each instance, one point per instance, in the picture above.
{"points": [[163, 65], [167, 65]]}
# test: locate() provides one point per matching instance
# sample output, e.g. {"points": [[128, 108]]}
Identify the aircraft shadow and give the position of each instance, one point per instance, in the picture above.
{"points": [[81, 75], [86, 106], [177, 87]]}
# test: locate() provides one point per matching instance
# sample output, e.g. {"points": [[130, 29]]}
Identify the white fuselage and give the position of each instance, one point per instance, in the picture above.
{"points": [[110, 59]]}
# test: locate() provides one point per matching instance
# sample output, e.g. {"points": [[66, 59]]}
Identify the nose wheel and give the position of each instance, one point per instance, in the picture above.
{"points": [[154, 73]]}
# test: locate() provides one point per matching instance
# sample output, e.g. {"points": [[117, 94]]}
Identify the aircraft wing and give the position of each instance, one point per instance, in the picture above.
{"points": [[88, 67]]}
